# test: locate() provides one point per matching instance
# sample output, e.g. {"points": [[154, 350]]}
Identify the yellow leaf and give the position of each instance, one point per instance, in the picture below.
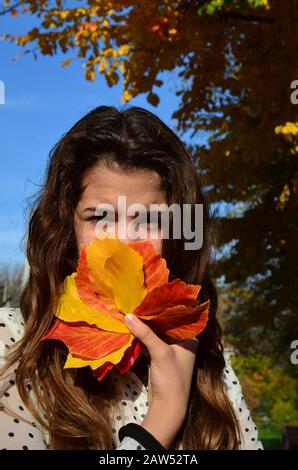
{"points": [[66, 62], [126, 96], [23, 40], [124, 50], [97, 254], [72, 308], [108, 52], [121, 267], [122, 67], [81, 11], [64, 14], [284, 197], [266, 4], [90, 74], [288, 128], [115, 357], [103, 65]]}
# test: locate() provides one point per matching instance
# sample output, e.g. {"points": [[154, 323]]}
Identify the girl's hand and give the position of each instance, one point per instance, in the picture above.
{"points": [[169, 380]]}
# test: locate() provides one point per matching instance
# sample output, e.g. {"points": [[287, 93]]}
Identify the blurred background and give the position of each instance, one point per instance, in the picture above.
{"points": [[223, 74]]}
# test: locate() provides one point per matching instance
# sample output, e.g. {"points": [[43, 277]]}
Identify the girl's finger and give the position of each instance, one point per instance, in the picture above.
{"points": [[156, 347]]}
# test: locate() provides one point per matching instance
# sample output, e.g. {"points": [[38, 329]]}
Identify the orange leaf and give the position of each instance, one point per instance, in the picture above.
{"points": [[85, 340], [180, 322], [130, 355], [155, 267], [168, 295]]}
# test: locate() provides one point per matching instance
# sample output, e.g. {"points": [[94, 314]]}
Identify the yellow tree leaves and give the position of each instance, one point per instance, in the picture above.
{"points": [[108, 33], [284, 197], [290, 132]]}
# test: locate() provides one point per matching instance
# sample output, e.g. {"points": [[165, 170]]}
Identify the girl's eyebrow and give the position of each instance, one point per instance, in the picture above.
{"points": [[89, 209], [147, 209], [155, 213]]}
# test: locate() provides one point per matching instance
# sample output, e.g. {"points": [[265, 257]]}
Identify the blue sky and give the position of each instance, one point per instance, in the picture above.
{"points": [[42, 101]]}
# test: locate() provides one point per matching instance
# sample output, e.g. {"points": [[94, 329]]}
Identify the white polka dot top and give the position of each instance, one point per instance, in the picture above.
{"points": [[19, 431]]}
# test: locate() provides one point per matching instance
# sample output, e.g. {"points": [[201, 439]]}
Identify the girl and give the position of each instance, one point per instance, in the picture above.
{"points": [[178, 396]]}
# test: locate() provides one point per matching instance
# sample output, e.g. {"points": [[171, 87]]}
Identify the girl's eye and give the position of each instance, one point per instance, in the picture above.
{"points": [[143, 219], [105, 215]]}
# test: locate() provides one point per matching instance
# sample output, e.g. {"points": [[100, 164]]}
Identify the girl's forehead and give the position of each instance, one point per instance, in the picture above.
{"points": [[105, 184]]}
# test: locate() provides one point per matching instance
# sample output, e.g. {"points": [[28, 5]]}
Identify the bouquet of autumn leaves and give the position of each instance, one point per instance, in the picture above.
{"points": [[114, 278]]}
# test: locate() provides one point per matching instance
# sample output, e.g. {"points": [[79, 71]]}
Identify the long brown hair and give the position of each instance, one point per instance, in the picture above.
{"points": [[70, 403]]}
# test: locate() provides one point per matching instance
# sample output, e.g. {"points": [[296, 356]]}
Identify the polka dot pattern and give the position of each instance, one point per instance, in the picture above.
{"points": [[132, 407], [15, 433], [249, 438]]}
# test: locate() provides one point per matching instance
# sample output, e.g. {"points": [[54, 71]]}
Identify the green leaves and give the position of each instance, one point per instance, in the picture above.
{"points": [[269, 389], [213, 6]]}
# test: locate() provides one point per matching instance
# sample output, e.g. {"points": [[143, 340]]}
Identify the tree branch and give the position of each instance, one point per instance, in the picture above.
{"points": [[7, 10]]}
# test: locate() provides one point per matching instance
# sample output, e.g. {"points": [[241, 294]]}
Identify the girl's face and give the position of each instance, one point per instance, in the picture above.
{"points": [[103, 185]]}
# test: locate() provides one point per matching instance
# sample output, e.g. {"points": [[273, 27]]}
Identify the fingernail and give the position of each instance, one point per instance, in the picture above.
{"points": [[130, 319]]}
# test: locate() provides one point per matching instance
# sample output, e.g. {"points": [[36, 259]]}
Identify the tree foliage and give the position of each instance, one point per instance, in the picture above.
{"points": [[271, 393]]}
